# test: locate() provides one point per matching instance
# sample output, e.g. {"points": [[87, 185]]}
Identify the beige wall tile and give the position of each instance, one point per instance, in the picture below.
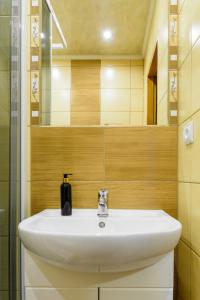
{"points": [[4, 262], [59, 118], [185, 91], [115, 100], [60, 100], [137, 119], [195, 278], [184, 203], [162, 111], [184, 158], [195, 13], [184, 262], [61, 78], [185, 30], [84, 118], [115, 77], [162, 80], [195, 217], [115, 118], [195, 77], [4, 152], [4, 214], [137, 77], [137, 99], [195, 150]]}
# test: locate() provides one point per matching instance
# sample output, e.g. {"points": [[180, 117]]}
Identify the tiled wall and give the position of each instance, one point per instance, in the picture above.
{"points": [[5, 19], [137, 165], [189, 155], [158, 33], [115, 98]]}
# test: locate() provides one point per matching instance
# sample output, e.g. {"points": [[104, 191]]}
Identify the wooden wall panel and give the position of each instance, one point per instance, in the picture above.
{"points": [[85, 92], [74, 150], [122, 194], [141, 153], [136, 165]]}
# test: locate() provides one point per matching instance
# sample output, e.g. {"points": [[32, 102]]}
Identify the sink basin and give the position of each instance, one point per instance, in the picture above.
{"points": [[125, 240]]}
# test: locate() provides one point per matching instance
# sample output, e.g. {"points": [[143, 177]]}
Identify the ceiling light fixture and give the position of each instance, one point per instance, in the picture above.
{"points": [[57, 23], [107, 34]]}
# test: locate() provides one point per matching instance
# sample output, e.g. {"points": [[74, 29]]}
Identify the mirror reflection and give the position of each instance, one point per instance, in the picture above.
{"points": [[99, 64]]}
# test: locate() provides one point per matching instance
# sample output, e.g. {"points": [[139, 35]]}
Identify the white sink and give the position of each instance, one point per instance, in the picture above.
{"points": [[131, 239]]}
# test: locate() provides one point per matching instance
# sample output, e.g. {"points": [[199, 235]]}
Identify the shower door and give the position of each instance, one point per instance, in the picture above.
{"points": [[9, 148]]}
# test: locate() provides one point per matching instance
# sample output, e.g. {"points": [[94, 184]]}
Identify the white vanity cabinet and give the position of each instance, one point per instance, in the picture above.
{"points": [[45, 281]]}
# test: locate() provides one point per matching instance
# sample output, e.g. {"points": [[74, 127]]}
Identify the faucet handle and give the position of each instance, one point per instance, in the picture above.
{"points": [[103, 193]]}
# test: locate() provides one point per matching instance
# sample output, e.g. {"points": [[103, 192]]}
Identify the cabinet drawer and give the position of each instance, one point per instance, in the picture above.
{"points": [[136, 294]]}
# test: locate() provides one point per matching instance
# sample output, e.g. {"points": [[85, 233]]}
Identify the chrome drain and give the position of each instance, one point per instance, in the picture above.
{"points": [[102, 224]]}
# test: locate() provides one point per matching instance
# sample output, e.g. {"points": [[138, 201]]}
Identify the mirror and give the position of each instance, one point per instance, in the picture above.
{"points": [[96, 60]]}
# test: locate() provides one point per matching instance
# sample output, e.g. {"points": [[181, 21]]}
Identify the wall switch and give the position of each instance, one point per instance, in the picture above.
{"points": [[188, 133]]}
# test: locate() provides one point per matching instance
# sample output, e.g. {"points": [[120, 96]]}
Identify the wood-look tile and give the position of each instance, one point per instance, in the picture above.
{"points": [[85, 74], [75, 150], [85, 100], [141, 153], [124, 195], [84, 118]]}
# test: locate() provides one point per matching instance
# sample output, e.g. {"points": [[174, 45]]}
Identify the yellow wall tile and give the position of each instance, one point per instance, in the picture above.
{"points": [[184, 158], [195, 217], [184, 30], [184, 203], [195, 150], [195, 12], [184, 262], [185, 92], [195, 77], [195, 277]]}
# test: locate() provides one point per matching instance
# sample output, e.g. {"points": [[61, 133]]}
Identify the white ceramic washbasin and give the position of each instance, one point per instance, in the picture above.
{"points": [[131, 239]]}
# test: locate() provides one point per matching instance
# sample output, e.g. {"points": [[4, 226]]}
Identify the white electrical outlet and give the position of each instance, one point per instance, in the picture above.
{"points": [[188, 133]]}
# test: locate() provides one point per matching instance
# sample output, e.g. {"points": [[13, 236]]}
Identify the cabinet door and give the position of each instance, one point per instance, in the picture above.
{"points": [[136, 294], [61, 294]]}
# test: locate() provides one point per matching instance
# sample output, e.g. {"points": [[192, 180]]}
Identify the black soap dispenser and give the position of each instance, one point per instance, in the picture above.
{"points": [[66, 196]]}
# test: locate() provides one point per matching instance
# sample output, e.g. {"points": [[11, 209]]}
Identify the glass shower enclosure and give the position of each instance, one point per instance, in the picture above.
{"points": [[9, 149]]}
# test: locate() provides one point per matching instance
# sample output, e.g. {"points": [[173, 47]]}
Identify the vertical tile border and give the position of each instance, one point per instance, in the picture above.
{"points": [[173, 63], [35, 61]]}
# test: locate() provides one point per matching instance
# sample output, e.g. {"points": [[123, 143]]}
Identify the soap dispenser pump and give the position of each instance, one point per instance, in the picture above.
{"points": [[66, 196]]}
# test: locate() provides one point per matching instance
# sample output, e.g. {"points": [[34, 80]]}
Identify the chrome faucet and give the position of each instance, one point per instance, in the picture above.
{"points": [[102, 203]]}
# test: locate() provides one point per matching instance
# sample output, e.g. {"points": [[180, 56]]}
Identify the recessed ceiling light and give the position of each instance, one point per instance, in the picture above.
{"points": [[57, 46], [107, 34]]}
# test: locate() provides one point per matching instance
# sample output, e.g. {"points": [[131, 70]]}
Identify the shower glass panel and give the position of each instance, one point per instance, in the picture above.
{"points": [[9, 148]]}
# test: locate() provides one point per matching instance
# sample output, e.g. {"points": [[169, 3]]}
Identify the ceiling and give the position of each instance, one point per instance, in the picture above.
{"points": [[82, 22]]}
